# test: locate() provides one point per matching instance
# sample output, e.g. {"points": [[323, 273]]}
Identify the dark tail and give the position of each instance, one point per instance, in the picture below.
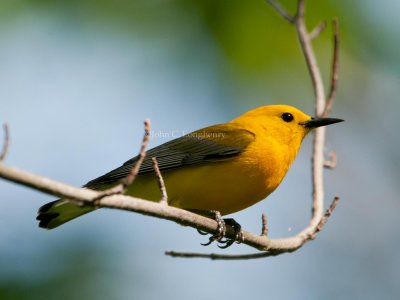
{"points": [[58, 212]]}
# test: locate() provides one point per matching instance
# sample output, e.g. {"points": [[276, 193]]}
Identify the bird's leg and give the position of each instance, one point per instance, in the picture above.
{"points": [[219, 235], [239, 238], [221, 229]]}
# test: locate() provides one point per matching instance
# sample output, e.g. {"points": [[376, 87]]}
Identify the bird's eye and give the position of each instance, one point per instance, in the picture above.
{"points": [[287, 117]]}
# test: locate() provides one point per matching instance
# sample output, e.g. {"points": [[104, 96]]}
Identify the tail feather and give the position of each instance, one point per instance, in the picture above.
{"points": [[58, 212]]}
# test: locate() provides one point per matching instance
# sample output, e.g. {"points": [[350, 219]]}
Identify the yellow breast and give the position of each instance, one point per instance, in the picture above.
{"points": [[227, 186]]}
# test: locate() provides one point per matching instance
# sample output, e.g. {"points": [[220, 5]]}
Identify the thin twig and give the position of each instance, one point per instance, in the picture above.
{"points": [[317, 30], [128, 180], [282, 11], [264, 227], [6, 144], [325, 218], [335, 68], [310, 58], [215, 256], [160, 181], [319, 136]]}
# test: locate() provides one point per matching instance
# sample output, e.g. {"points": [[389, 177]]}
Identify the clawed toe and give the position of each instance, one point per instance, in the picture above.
{"points": [[219, 235], [202, 232], [221, 229], [239, 237]]}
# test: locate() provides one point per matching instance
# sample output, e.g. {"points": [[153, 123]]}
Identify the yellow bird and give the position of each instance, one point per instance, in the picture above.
{"points": [[225, 168]]}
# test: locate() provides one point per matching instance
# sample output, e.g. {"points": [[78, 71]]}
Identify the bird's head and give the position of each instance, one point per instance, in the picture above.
{"points": [[283, 123]]}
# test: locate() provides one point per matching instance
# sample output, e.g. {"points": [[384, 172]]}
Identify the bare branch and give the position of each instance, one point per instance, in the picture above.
{"points": [[128, 180], [123, 202], [325, 218], [160, 181], [317, 30], [271, 252], [309, 55], [6, 144], [215, 256], [319, 136], [282, 11], [317, 218], [335, 68], [264, 227]]}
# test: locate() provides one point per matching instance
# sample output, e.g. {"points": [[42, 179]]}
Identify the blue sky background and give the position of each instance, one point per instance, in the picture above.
{"points": [[77, 79]]}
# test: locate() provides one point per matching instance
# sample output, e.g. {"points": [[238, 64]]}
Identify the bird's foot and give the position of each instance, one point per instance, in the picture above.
{"points": [[239, 237], [219, 235], [221, 229]]}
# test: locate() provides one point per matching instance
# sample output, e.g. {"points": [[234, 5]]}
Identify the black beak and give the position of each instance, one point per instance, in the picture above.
{"points": [[318, 122]]}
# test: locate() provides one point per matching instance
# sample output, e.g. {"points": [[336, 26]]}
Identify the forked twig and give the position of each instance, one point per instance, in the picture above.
{"points": [[318, 219], [310, 58]]}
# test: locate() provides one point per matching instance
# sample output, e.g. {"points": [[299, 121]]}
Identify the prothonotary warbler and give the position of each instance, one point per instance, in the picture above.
{"points": [[226, 167]]}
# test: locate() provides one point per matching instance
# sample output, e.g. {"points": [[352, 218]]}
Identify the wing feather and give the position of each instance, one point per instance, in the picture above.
{"points": [[211, 144]]}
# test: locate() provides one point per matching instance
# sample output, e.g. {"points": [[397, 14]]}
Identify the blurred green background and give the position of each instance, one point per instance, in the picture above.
{"points": [[77, 79]]}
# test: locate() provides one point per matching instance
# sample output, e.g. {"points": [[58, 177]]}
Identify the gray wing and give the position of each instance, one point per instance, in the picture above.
{"points": [[212, 144]]}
